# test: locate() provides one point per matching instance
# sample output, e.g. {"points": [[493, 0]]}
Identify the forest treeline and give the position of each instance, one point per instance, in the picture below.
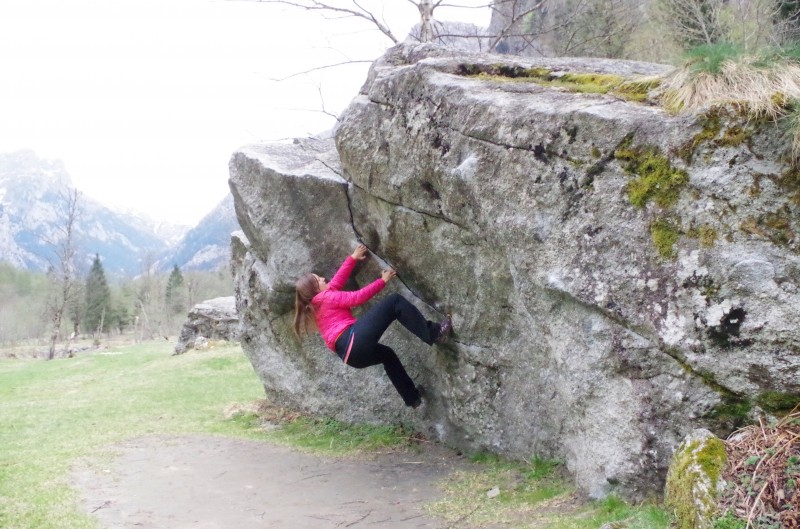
{"points": [[69, 302], [147, 306], [650, 30]]}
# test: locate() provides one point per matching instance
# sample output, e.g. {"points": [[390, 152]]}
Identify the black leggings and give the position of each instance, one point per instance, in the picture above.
{"points": [[368, 330]]}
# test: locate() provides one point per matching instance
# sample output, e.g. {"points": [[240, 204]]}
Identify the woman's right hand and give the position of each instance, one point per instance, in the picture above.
{"points": [[388, 274], [360, 253]]}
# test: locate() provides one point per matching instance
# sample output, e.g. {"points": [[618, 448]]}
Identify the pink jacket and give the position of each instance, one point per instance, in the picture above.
{"points": [[332, 306]]}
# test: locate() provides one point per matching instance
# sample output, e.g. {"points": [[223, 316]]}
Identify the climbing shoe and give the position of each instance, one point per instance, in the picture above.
{"points": [[418, 401], [445, 329]]}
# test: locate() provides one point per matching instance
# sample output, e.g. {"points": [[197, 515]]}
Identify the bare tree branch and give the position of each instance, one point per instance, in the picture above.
{"points": [[457, 6], [600, 28], [318, 68], [514, 20], [322, 103], [692, 22], [361, 12]]}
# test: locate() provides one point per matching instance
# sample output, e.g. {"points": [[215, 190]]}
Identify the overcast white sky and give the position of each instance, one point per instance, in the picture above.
{"points": [[144, 101]]}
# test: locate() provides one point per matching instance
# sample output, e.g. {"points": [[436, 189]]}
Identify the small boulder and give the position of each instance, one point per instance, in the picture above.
{"points": [[201, 342], [213, 319], [694, 479]]}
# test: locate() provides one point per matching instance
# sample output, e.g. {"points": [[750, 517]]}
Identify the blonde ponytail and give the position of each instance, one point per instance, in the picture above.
{"points": [[304, 319]]}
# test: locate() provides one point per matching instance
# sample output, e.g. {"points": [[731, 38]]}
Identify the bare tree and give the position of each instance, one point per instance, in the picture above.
{"points": [[692, 22], [785, 16], [750, 23], [425, 8], [594, 28], [63, 273], [514, 12], [514, 20], [149, 305]]}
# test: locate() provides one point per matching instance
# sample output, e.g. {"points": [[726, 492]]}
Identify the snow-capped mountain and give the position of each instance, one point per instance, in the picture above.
{"points": [[207, 246], [33, 195], [170, 233]]}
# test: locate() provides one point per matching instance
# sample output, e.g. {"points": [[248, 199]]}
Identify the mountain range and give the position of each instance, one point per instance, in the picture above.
{"points": [[33, 195]]}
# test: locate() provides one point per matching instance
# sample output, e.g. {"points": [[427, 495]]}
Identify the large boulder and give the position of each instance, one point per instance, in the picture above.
{"points": [[618, 276]]}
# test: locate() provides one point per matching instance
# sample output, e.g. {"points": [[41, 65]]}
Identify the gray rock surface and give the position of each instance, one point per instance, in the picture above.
{"points": [[213, 319], [504, 202]]}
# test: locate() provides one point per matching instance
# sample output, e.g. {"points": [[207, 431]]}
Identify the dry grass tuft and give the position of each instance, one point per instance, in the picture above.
{"points": [[756, 88], [264, 410], [760, 90], [763, 474]]}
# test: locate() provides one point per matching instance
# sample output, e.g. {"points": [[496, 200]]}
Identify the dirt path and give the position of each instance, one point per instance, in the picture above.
{"points": [[204, 482]]}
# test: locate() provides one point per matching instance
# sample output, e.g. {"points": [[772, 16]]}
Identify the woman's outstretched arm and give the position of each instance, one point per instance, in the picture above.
{"points": [[348, 298], [354, 298], [343, 274]]}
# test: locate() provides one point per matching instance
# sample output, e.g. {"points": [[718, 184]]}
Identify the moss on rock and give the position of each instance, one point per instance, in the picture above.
{"points": [[693, 480], [721, 127], [665, 235], [656, 178], [592, 83], [777, 226], [635, 90], [711, 126], [705, 233], [734, 136], [707, 236], [790, 183], [733, 412], [776, 402]]}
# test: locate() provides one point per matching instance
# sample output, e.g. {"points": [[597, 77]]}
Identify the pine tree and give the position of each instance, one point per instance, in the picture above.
{"points": [[121, 316], [175, 297], [98, 299]]}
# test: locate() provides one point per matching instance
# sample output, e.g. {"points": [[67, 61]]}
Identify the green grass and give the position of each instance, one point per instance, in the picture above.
{"points": [[710, 57], [617, 514], [333, 437], [533, 495], [524, 490], [53, 413]]}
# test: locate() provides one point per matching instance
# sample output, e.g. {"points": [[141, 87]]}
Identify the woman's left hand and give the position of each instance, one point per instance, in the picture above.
{"points": [[360, 253]]}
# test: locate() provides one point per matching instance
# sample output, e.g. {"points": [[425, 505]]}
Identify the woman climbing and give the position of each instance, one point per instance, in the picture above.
{"points": [[356, 341]]}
